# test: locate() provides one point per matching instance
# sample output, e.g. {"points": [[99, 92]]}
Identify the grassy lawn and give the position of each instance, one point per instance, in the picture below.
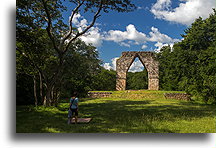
{"points": [[122, 112]]}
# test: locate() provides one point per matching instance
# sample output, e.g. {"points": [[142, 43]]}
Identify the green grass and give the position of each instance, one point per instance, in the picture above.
{"points": [[122, 112]]}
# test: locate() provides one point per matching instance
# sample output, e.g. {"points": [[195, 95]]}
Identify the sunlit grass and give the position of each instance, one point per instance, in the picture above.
{"points": [[122, 112]]}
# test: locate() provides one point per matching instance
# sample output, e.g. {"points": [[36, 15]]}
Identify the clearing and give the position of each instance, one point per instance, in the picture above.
{"points": [[123, 112]]}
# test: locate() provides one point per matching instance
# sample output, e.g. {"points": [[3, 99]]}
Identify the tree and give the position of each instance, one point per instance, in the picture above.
{"points": [[36, 59], [190, 66], [200, 43], [104, 80], [81, 66], [36, 14], [137, 80]]}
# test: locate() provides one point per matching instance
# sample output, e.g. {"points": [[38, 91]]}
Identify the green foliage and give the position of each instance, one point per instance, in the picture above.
{"points": [[80, 69], [137, 80], [36, 46], [104, 80], [190, 66], [49, 51]]}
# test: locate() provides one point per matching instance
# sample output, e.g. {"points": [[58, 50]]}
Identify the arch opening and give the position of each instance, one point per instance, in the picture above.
{"points": [[137, 76]]}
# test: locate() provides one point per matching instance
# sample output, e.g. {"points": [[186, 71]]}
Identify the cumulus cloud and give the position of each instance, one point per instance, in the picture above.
{"points": [[112, 66], [124, 44], [107, 66], [131, 36], [186, 12], [156, 36], [76, 18], [159, 45], [93, 36], [136, 66], [135, 37], [144, 46]]}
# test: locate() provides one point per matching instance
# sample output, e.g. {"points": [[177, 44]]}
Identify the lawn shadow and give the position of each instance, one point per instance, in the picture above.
{"points": [[123, 121], [111, 116]]}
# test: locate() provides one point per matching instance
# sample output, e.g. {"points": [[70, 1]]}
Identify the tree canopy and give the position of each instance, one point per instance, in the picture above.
{"points": [[190, 65], [46, 44]]}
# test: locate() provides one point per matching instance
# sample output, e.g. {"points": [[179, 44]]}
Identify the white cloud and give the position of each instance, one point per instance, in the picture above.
{"points": [[114, 63], [112, 66], [136, 66], [144, 46], [75, 19], [136, 37], [185, 13], [93, 36], [107, 66], [159, 45], [162, 4], [124, 44], [130, 34], [139, 8], [156, 36]]}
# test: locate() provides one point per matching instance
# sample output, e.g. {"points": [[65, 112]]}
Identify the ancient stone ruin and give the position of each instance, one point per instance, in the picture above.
{"points": [[99, 94], [178, 96], [147, 59]]}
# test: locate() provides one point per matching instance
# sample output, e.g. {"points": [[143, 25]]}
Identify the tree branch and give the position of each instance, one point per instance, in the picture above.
{"points": [[96, 15], [49, 27], [70, 25]]}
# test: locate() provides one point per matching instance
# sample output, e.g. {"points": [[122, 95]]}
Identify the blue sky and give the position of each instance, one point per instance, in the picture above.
{"points": [[155, 23]]}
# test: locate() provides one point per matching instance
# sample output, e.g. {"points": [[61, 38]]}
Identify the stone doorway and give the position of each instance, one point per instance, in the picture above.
{"points": [[149, 62], [137, 76]]}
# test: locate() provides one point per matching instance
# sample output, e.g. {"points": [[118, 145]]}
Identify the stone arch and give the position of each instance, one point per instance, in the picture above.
{"points": [[149, 62]]}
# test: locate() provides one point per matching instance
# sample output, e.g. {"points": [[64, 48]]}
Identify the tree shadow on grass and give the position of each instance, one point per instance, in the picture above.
{"points": [[120, 114], [109, 117]]}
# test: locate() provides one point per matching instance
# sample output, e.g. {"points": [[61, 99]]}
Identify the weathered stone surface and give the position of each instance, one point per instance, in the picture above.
{"points": [[82, 120], [99, 94], [147, 59], [178, 96]]}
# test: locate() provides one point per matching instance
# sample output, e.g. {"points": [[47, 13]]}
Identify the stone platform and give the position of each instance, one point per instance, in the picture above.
{"points": [[82, 120], [99, 94], [178, 96]]}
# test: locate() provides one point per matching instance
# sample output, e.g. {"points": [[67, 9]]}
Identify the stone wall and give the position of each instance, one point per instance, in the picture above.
{"points": [[147, 59], [99, 94], [178, 96]]}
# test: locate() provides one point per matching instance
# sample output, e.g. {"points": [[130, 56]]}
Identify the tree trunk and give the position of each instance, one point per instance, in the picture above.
{"points": [[41, 86], [47, 98], [56, 94], [51, 85], [35, 90]]}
